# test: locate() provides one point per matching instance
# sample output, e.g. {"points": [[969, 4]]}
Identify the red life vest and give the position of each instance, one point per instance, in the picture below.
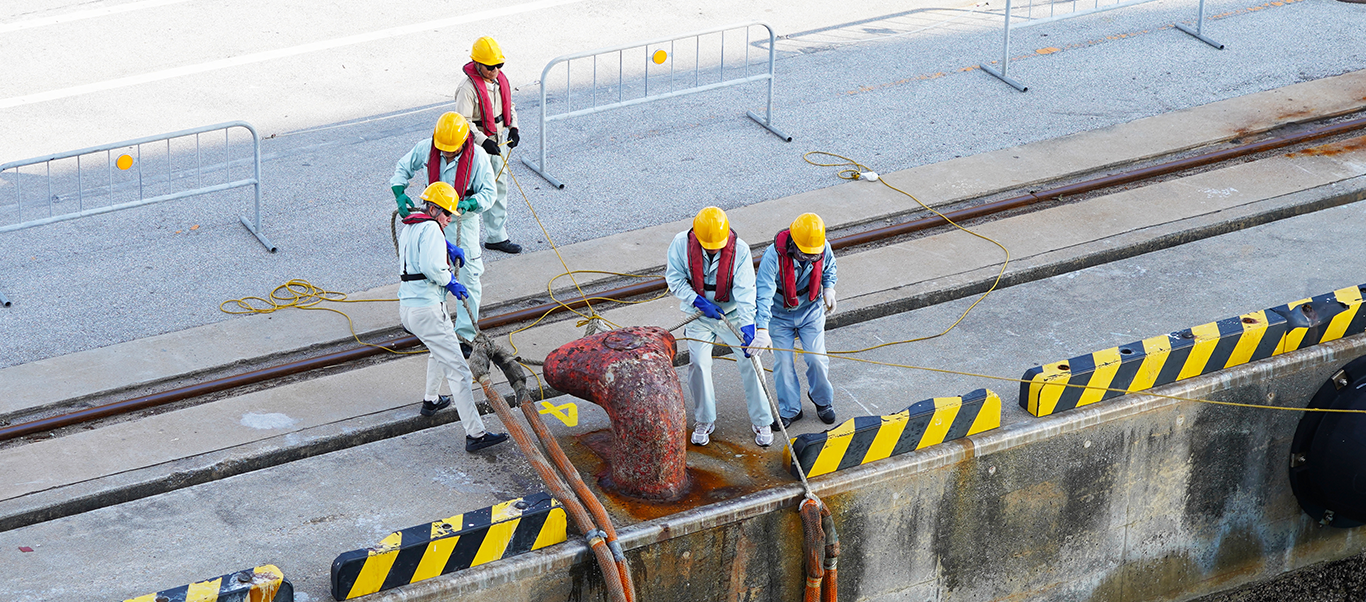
{"points": [[487, 122], [462, 169], [417, 217], [725, 273], [787, 273]]}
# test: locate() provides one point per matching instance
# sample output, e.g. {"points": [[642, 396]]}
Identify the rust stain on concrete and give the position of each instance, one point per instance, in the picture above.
{"points": [[1331, 150]]}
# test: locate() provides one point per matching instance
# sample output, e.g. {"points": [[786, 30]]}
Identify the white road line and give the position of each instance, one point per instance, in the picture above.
{"points": [[258, 57], [85, 14]]}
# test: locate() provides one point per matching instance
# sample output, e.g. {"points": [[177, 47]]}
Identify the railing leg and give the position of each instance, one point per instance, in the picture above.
{"points": [[1198, 32], [549, 178], [1005, 78], [769, 126], [270, 246], [1003, 74], [4, 300], [1197, 35]]}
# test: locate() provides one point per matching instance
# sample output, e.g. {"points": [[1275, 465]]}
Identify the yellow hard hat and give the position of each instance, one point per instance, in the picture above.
{"points": [[808, 231], [442, 194], [712, 228], [451, 131], [487, 52]]}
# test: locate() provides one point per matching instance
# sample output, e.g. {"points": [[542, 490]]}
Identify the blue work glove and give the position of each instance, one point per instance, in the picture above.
{"points": [[457, 289], [405, 204], [456, 254], [708, 309], [467, 205], [748, 331]]}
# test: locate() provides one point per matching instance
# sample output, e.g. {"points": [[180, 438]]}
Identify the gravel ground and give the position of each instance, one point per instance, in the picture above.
{"points": [[890, 92], [1341, 581]]}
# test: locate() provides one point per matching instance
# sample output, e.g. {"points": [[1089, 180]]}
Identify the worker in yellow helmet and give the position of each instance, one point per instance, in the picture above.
{"points": [[448, 156], [426, 260], [484, 97], [710, 270], [796, 290]]}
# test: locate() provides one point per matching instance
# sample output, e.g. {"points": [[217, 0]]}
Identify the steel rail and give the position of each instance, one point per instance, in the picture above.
{"points": [[657, 284]]}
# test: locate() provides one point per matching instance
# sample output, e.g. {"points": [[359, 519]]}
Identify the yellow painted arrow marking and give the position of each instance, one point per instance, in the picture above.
{"points": [[568, 413]]}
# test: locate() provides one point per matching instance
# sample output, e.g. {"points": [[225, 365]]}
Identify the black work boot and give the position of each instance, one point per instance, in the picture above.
{"points": [[432, 407], [506, 246], [787, 421], [474, 444], [825, 413]]}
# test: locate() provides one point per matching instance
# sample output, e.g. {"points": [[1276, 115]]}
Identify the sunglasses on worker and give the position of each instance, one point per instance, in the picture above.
{"points": [[491, 67]]}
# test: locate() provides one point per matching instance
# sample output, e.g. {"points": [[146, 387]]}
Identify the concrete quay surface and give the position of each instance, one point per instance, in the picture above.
{"points": [[300, 515], [66, 380], [234, 431], [91, 469]]}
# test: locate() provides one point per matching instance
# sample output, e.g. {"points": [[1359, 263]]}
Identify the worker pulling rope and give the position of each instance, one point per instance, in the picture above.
{"points": [[593, 521]]}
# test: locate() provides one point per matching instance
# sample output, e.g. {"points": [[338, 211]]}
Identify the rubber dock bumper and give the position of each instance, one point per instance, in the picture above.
{"points": [[866, 439], [262, 584], [444, 546], [1164, 359]]}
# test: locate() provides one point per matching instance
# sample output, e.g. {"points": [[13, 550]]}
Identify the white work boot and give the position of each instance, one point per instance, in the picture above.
{"points": [[701, 434], [763, 435]]}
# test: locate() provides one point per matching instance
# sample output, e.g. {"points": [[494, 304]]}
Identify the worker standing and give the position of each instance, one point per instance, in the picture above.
{"points": [[448, 157], [425, 260], [796, 291], [485, 99], [710, 270]]}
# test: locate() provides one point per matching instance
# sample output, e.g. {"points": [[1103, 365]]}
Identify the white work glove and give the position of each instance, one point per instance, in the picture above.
{"points": [[761, 340], [829, 295]]}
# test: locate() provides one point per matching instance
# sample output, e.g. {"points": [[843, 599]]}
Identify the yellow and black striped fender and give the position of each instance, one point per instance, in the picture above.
{"points": [[261, 584], [444, 546], [865, 439], [1151, 362]]}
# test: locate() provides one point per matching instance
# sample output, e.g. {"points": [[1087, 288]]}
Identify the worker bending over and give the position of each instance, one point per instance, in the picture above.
{"points": [[796, 283], [484, 97], [425, 260], [711, 270], [447, 157]]}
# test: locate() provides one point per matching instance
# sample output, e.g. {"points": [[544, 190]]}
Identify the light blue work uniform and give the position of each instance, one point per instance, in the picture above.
{"points": [[422, 249], [464, 229], [739, 310], [806, 321]]}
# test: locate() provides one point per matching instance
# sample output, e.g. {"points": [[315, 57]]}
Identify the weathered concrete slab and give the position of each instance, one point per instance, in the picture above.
{"points": [[317, 416], [350, 498], [156, 359]]}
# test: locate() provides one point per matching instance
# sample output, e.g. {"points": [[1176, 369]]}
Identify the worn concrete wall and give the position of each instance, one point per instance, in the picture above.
{"points": [[1139, 498]]}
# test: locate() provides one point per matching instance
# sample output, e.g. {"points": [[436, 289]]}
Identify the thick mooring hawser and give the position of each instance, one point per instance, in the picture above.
{"points": [[629, 372]]}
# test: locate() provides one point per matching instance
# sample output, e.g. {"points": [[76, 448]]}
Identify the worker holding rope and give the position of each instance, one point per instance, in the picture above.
{"points": [[484, 98], [710, 270], [796, 291], [448, 157], [426, 258]]}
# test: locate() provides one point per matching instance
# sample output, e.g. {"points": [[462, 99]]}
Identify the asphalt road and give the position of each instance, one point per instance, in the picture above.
{"points": [[341, 92]]}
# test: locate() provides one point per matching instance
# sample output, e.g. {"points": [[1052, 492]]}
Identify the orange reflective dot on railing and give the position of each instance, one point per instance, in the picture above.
{"points": [[124, 162], [660, 56]]}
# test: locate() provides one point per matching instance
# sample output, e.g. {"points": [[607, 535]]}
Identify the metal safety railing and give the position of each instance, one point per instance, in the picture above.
{"points": [[120, 192], [647, 71], [1038, 12]]}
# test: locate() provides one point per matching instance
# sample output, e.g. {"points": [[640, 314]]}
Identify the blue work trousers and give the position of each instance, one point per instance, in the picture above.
{"points": [[699, 372], [808, 324]]}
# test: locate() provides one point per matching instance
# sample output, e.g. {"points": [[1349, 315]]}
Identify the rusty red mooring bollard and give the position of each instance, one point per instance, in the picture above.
{"points": [[629, 372]]}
